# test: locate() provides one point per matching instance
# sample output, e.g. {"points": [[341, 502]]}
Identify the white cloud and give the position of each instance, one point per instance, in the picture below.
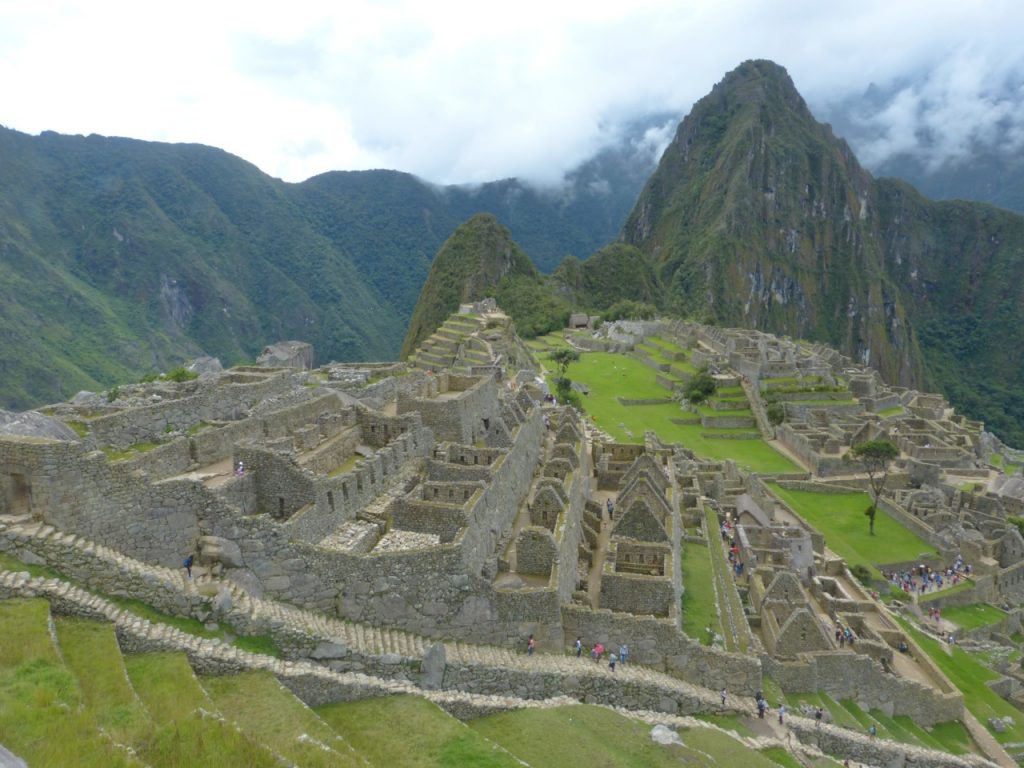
{"points": [[459, 91]]}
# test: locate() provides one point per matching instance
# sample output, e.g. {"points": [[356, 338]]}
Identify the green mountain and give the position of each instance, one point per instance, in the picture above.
{"points": [[759, 216], [122, 257], [477, 256]]}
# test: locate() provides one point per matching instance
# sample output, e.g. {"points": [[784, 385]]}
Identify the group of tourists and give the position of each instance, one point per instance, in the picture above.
{"points": [[597, 652], [924, 578]]}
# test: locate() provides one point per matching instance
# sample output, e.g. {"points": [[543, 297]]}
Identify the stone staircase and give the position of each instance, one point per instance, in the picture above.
{"points": [[311, 682], [343, 645], [441, 350]]}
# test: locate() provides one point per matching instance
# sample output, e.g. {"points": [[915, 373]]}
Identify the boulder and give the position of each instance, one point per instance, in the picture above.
{"points": [[207, 367], [214, 549], [35, 424], [287, 354]]}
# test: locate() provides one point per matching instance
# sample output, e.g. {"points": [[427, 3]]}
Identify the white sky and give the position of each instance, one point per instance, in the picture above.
{"points": [[475, 91]]}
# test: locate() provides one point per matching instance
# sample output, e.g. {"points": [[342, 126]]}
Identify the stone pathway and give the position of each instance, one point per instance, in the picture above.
{"points": [[379, 647]]}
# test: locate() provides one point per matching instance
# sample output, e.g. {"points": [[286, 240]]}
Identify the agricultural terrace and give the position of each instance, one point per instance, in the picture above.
{"points": [[608, 377], [840, 518], [970, 676]]}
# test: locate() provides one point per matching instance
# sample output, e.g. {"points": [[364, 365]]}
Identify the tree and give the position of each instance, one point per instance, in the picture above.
{"points": [[875, 456], [700, 387], [563, 357], [776, 413]]}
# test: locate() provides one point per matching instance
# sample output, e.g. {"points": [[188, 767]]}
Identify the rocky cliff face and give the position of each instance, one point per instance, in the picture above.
{"points": [[760, 217]]}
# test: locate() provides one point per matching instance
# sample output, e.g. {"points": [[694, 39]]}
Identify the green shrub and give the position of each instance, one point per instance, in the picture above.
{"points": [[700, 387], [861, 573], [180, 374], [113, 394], [776, 413]]}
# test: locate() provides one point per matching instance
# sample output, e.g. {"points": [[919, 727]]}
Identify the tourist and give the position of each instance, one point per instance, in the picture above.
{"points": [[187, 564], [623, 654], [611, 508], [872, 731], [611, 661], [724, 694], [818, 714], [240, 469], [762, 705], [598, 652], [579, 646], [531, 646], [782, 713]]}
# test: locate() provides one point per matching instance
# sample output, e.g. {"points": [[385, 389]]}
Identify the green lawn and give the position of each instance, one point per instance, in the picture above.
{"points": [[840, 517], [592, 736], [42, 717], [91, 651], [886, 413], [610, 376], [268, 712], [408, 731], [184, 735], [698, 594], [970, 675], [973, 616]]}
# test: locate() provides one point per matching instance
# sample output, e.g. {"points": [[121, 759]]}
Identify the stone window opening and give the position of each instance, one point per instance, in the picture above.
{"points": [[19, 494], [280, 506], [344, 491], [330, 500], [487, 424]]}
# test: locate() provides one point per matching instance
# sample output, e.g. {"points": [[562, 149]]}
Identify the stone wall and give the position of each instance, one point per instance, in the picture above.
{"points": [[81, 492], [633, 593], [459, 415], [660, 644], [223, 400], [846, 675], [282, 486], [443, 520], [535, 551]]}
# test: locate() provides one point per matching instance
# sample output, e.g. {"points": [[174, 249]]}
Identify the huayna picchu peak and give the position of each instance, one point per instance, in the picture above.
{"points": [[757, 215]]}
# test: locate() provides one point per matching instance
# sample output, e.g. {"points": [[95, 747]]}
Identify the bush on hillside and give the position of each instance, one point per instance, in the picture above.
{"points": [[700, 387]]}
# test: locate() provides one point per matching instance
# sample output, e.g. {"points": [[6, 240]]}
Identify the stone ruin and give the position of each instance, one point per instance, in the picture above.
{"points": [[444, 499]]}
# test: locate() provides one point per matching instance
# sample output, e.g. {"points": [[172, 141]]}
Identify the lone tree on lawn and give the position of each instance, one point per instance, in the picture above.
{"points": [[563, 357], [875, 455]]}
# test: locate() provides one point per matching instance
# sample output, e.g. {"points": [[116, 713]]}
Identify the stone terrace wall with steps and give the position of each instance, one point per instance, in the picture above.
{"points": [[493, 678], [658, 643], [310, 682], [846, 675]]}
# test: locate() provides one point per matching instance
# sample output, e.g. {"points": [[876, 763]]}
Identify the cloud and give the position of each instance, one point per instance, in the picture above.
{"points": [[972, 101], [471, 92]]}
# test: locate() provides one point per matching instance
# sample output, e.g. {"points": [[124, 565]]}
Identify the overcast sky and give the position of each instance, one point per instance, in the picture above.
{"points": [[475, 91]]}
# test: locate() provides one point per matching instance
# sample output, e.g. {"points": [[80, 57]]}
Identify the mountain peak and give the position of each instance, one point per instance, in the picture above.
{"points": [[474, 259]]}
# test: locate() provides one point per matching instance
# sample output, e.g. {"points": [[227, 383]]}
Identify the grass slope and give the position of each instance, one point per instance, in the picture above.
{"points": [[840, 517], [173, 697], [42, 714], [90, 650], [411, 732], [599, 738], [611, 376], [267, 712]]}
